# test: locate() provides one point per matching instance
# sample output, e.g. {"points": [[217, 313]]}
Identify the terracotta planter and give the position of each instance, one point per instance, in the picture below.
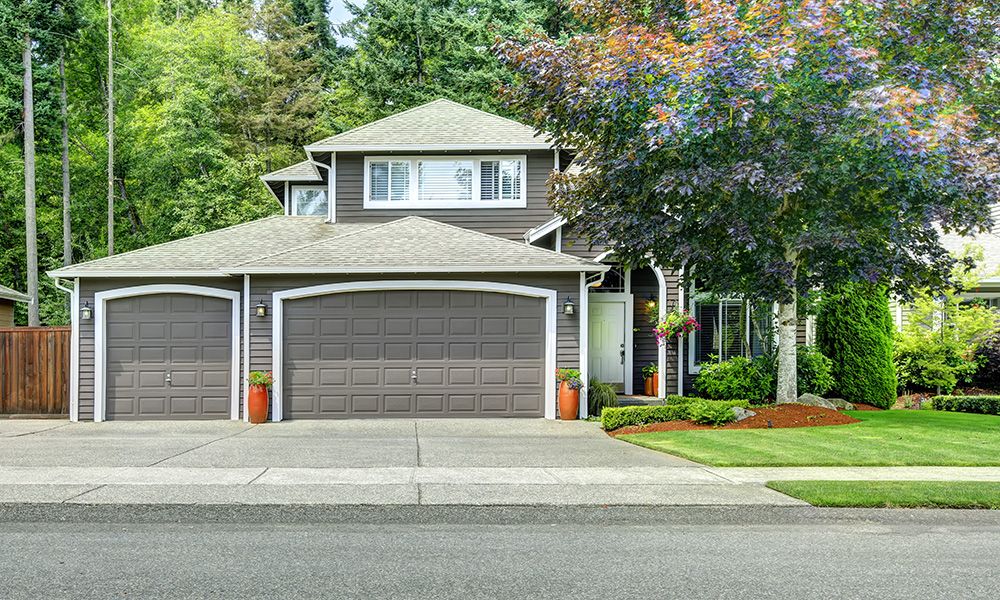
{"points": [[257, 403], [648, 386], [652, 385], [569, 402]]}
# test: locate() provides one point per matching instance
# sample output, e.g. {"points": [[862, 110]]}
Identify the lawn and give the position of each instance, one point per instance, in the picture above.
{"points": [[893, 437], [894, 494]]}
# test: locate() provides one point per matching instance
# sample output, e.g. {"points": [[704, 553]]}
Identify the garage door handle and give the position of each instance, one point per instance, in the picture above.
{"points": [[413, 375], [167, 380]]}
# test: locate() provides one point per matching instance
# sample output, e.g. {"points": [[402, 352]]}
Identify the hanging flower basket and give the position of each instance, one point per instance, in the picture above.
{"points": [[675, 324]]}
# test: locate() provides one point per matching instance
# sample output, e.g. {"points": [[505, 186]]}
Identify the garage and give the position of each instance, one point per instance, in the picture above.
{"points": [[169, 356], [413, 353]]}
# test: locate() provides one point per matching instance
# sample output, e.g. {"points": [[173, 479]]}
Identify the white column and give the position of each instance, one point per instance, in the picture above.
{"points": [[584, 317]]}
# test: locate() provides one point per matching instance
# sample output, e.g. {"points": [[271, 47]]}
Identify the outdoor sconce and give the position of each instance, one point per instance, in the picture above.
{"points": [[651, 303], [568, 307], [86, 313], [261, 308]]}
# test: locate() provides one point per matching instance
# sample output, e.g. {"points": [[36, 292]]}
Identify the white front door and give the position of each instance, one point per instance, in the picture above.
{"points": [[607, 340]]}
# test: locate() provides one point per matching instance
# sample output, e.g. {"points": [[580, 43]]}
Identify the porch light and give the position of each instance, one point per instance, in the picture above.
{"points": [[568, 307], [651, 302], [261, 308], [86, 313]]}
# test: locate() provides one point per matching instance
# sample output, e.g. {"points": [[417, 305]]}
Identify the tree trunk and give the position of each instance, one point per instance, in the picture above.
{"points": [[64, 112], [787, 376], [30, 234], [111, 139]]}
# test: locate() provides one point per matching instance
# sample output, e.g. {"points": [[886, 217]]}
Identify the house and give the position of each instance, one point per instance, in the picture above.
{"points": [[417, 271], [7, 299]]}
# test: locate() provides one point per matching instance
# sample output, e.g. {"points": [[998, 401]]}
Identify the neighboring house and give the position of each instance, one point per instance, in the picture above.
{"points": [[7, 299], [418, 271]]}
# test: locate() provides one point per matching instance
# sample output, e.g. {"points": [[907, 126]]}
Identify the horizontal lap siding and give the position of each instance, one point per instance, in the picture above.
{"points": [[644, 347], [510, 223], [89, 287]]}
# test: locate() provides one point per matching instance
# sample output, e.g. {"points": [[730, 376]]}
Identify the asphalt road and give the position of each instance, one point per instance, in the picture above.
{"points": [[788, 553]]}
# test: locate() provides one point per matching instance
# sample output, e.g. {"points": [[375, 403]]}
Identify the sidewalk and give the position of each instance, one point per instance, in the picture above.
{"points": [[560, 486]]}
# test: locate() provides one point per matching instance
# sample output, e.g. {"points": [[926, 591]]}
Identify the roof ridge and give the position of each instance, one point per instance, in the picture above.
{"points": [[177, 241], [322, 241], [487, 113], [375, 122]]}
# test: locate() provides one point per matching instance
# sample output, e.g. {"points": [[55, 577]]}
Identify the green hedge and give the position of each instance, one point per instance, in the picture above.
{"points": [[708, 412], [984, 405]]}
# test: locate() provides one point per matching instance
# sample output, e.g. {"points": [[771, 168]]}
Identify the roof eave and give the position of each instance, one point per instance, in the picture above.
{"points": [[102, 273], [426, 147], [425, 269]]}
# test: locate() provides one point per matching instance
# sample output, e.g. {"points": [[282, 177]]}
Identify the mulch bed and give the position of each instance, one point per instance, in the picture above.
{"points": [[865, 407], [783, 416]]}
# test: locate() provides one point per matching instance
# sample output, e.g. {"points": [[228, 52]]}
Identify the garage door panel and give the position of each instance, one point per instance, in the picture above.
{"points": [[380, 338], [187, 335]]}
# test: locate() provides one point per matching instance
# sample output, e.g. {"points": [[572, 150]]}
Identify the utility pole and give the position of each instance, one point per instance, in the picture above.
{"points": [[111, 139], [30, 234]]}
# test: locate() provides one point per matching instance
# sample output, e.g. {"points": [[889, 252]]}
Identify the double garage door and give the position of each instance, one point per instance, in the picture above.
{"points": [[414, 353]]}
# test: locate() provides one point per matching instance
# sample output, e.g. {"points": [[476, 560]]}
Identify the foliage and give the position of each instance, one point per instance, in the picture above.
{"points": [[815, 371], [264, 378], [675, 324], [984, 405], [711, 412], [649, 370], [571, 377], [600, 395], [738, 377], [923, 363], [855, 331], [987, 358]]}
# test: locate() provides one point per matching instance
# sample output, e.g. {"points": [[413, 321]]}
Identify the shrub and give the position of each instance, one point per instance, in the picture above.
{"points": [[925, 363], [984, 405], [854, 330], [738, 377], [600, 395], [988, 360], [815, 371], [709, 412]]}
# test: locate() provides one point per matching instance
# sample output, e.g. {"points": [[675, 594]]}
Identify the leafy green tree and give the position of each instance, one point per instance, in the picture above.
{"points": [[767, 146]]}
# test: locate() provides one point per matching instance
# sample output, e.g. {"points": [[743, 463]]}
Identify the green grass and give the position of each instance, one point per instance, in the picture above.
{"points": [[894, 494], [894, 437]]}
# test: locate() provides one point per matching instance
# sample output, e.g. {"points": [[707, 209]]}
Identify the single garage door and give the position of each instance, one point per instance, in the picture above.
{"points": [[414, 353], [169, 356]]}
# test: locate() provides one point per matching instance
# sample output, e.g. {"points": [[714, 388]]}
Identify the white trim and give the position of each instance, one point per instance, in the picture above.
{"points": [[100, 348], [415, 203], [555, 159], [603, 256], [661, 349], [275, 196], [278, 176], [680, 340], [692, 368], [277, 318], [288, 200], [420, 269], [69, 274], [74, 354], [332, 174], [536, 233], [629, 374], [323, 188], [559, 240], [246, 344], [425, 147], [584, 338]]}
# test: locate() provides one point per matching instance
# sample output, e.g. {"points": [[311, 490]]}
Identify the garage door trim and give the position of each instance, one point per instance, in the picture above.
{"points": [[278, 340], [101, 348]]}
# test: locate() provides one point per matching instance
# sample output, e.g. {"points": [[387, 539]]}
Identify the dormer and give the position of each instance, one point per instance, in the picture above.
{"points": [[442, 160]]}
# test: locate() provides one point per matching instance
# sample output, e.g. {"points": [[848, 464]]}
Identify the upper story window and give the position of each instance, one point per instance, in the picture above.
{"points": [[445, 182], [309, 201]]}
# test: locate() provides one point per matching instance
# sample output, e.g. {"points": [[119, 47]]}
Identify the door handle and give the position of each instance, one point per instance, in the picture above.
{"points": [[413, 375], [167, 379], [622, 354]]}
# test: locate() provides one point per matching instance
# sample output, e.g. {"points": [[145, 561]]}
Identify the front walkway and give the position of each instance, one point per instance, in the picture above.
{"points": [[412, 462]]}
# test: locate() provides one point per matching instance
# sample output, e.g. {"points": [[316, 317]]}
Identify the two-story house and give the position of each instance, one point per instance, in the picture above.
{"points": [[417, 271]]}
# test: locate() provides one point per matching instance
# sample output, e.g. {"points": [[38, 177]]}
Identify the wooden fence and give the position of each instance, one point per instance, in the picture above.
{"points": [[34, 370]]}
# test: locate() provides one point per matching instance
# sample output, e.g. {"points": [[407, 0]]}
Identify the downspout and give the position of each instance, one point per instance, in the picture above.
{"points": [[74, 346]]}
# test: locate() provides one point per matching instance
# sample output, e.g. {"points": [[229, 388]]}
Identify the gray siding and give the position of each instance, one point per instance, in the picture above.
{"points": [[510, 223], [89, 287]]}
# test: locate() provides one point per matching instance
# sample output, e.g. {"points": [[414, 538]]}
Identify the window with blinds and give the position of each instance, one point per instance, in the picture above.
{"points": [[445, 182], [728, 329]]}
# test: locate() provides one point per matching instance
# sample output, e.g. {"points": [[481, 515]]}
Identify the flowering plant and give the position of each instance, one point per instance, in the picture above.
{"points": [[675, 324], [571, 377], [263, 378]]}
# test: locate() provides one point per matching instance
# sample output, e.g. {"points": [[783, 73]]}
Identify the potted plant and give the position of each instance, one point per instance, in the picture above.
{"points": [[257, 400], [651, 379], [569, 393], [675, 324]]}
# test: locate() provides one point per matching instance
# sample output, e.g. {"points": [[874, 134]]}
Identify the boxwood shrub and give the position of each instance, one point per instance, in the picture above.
{"points": [[984, 405], [708, 412]]}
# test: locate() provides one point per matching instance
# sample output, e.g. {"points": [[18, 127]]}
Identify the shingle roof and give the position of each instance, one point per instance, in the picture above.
{"points": [[8, 294], [206, 253], [441, 124], [415, 244], [309, 244], [303, 171]]}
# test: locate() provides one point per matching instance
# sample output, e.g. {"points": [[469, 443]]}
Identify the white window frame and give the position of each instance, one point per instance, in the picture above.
{"points": [[415, 203], [318, 188]]}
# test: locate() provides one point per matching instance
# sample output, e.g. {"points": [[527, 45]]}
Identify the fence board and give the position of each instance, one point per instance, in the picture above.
{"points": [[34, 370]]}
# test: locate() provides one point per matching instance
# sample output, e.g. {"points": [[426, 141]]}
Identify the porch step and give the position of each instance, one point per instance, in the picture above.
{"points": [[635, 400]]}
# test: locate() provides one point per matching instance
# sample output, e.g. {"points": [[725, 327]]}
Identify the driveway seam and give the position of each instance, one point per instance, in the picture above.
{"points": [[200, 446], [39, 431], [416, 438], [259, 475], [75, 496], [720, 476]]}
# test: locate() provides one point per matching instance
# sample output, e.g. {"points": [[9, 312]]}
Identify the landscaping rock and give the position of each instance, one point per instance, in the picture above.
{"points": [[814, 400], [742, 413], [840, 403]]}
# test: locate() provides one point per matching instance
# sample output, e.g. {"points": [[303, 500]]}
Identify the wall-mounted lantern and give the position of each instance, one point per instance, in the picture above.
{"points": [[86, 313], [651, 303], [261, 309], [568, 307]]}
